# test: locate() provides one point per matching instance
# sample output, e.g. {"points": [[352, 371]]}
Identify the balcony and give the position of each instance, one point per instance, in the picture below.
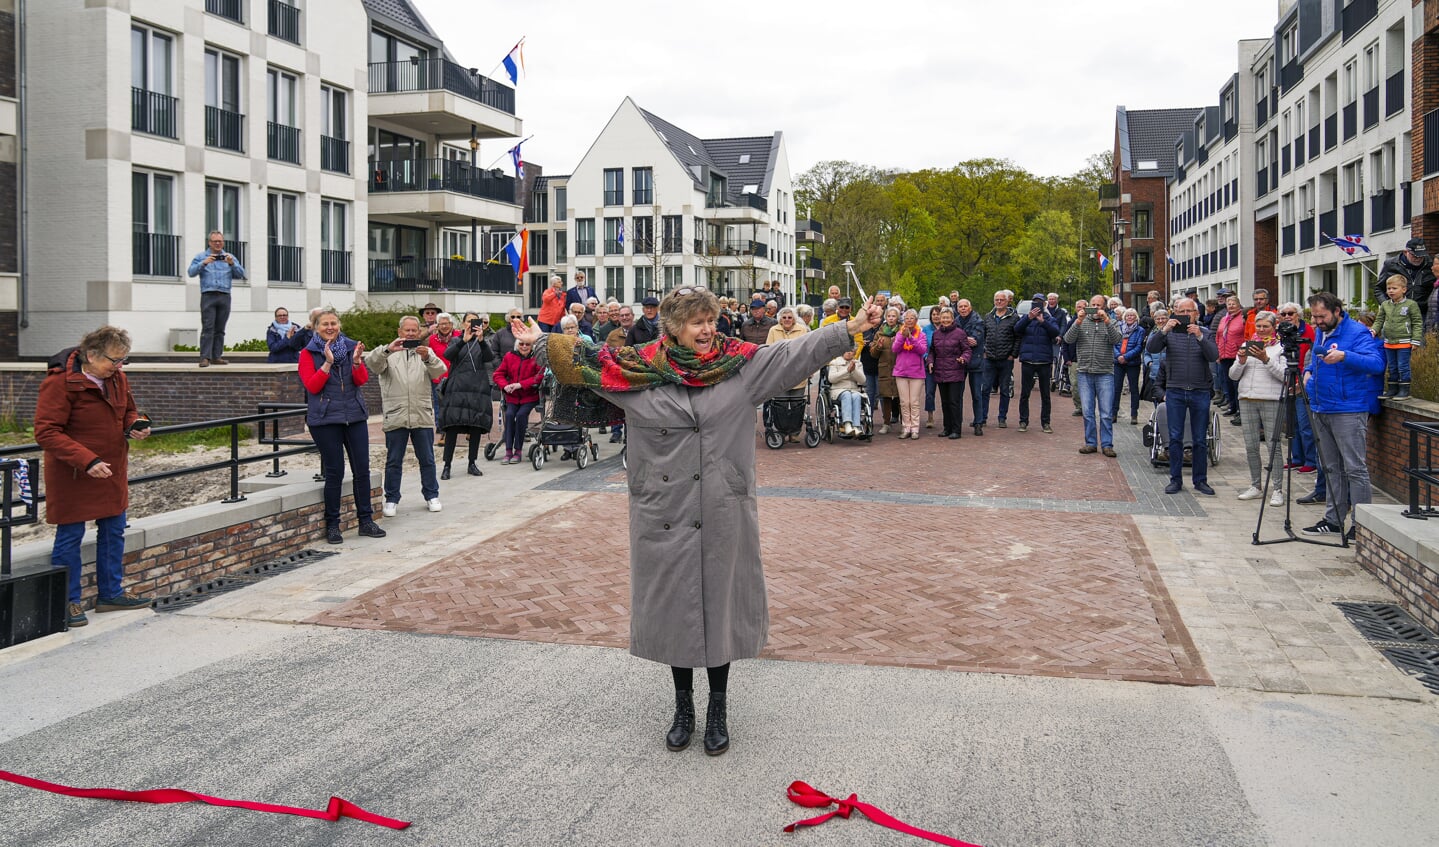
{"points": [[334, 155], [1371, 108], [1261, 182], [283, 143], [1431, 142], [154, 113], [404, 275], [1261, 112], [1331, 131], [1306, 234], [1328, 222], [1299, 151], [443, 191], [1284, 160], [1353, 218], [1286, 240], [1394, 95], [1351, 120], [674, 244], [437, 96], [335, 267], [284, 21], [614, 247], [584, 247], [286, 263], [232, 9], [809, 231], [746, 208], [1356, 15], [224, 129], [155, 254], [238, 250], [1314, 148], [1381, 210], [738, 248], [1290, 75]]}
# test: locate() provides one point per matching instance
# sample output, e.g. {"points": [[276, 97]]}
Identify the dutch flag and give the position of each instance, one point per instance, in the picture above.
{"points": [[514, 62], [1103, 260]]}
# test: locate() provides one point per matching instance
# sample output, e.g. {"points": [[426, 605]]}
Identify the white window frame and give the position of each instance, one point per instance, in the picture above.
{"points": [[154, 79], [216, 61], [282, 91], [152, 225], [455, 243], [215, 194], [285, 207], [334, 111], [333, 225]]}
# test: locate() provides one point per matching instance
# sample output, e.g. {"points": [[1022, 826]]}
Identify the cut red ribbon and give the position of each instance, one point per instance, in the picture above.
{"points": [[802, 794], [338, 808]]}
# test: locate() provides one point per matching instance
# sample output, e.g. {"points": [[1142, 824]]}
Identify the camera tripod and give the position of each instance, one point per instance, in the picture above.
{"points": [[1291, 394]]}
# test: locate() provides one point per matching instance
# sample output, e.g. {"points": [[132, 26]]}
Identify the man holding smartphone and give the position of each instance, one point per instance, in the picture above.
{"points": [[1189, 365], [216, 269], [405, 367]]}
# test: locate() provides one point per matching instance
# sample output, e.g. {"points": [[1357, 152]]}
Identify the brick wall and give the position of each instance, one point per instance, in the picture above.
{"points": [[1388, 447], [1424, 98], [1266, 242], [1152, 192], [1416, 586], [166, 569], [182, 393]]}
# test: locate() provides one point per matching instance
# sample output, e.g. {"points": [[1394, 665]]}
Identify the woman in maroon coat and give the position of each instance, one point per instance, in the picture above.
{"points": [[84, 415], [949, 354]]}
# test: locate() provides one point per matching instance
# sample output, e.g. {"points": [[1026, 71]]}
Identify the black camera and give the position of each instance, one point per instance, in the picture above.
{"points": [[1289, 337]]}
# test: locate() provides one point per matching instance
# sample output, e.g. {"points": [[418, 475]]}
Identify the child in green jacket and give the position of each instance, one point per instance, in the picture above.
{"points": [[1400, 325]]}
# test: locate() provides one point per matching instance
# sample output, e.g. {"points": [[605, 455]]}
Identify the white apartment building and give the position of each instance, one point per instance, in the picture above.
{"points": [[651, 207], [154, 122], [1211, 197], [1332, 144]]}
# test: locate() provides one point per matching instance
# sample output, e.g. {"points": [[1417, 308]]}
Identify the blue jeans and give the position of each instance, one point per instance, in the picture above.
{"points": [[871, 388], [423, 441], [1096, 396], [1398, 364], [109, 554], [998, 373], [1195, 404], [334, 442], [1301, 450], [849, 407], [929, 393], [976, 395]]}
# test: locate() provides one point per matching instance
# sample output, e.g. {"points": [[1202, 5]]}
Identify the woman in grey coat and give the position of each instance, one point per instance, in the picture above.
{"points": [[697, 593]]}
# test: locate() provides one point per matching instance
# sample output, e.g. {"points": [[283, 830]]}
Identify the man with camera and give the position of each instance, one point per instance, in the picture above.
{"points": [[216, 270], [1343, 378], [1094, 335], [1189, 362], [406, 367]]}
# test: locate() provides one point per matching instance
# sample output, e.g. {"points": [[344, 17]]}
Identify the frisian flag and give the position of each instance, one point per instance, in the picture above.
{"points": [[1103, 260], [1348, 243], [518, 160], [514, 62], [518, 252]]}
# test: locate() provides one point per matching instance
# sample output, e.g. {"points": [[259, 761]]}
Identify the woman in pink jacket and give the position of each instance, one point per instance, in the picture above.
{"points": [[910, 347], [1229, 335], [518, 377]]}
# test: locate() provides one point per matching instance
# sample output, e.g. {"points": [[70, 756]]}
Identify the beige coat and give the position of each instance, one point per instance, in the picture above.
{"points": [[697, 592], [777, 334], [405, 381]]}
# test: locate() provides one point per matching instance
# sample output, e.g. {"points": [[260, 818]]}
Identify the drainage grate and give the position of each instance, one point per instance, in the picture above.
{"points": [[221, 585], [1416, 662], [1388, 623]]}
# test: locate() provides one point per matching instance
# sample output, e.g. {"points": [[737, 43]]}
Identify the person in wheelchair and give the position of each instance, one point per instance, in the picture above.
{"points": [[846, 388]]}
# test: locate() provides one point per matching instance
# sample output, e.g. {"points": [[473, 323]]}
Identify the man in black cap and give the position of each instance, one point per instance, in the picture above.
{"points": [[1413, 265], [647, 328], [755, 328]]}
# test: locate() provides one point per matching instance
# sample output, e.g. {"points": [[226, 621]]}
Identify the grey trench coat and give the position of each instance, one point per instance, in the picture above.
{"points": [[697, 592]]}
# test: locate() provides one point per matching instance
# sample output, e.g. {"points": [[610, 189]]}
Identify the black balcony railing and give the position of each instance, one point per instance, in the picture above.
{"points": [[286, 263], [1371, 107], [283, 143], [1405, 199], [1431, 142], [155, 254], [1328, 222], [1381, 210], [674, 244], [285, 21], [1356, 15], [614, 247], [1234, 255], [232, 9], [1290, 75], [224, 129], [1394, 94], [154, 113], [440, 75], [1331, 131], [442, 275], [814, 263], [334, 154], [816, 226], [1286, 240], [1223, 259], [1314, 143], [1353, 218], [237, 249], [615, 197], [1261, 111], [335, 267], [1285, 161], [1299, 151], [738, 247], [441, 175], [1351, 119], [1306, 234], [584, 247], [1261, 182]]}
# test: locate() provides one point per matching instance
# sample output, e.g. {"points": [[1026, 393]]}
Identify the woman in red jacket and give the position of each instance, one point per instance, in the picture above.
{"points": [[518, 376], [83, 417], [552, 305]]}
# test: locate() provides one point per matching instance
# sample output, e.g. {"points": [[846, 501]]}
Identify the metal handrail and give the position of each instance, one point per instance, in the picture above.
{"points": [[1425, 473], [8, 496]]}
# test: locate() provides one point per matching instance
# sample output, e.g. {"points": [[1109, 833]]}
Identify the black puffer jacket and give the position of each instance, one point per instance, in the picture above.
{"points": [[1000, 339], [465, 394]]}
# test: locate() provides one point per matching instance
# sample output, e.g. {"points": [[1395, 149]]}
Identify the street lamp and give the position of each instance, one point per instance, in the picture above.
{"points": [[803, 252], [1119, 227], [848, 274]]}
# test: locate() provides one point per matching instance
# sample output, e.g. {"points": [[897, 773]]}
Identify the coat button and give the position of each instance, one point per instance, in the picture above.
{"points": [[697, 524], [697, 476], [697, 429], [664, 432], [667, 526], [665, 478]]}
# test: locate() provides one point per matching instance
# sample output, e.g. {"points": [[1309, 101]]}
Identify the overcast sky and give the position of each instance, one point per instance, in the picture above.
{"points": [[898, 84]]}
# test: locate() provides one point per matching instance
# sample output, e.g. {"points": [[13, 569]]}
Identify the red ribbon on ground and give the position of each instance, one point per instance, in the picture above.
{"points": [[337, 809], [812, 798]]}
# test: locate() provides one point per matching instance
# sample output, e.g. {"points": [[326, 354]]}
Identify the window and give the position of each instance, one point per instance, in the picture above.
{"points": [[584, 236], [155, 249], [387, 48], [614, 186], [224, 124], [1226, 105], [283, 136], [561, 200], [539, 248], [562, 247], [284, 20], [615, 282], [152, 73], [283, 224], [714, 198], [334, 238], [1143, 224], [644, 281], [334, 123], [642, 235], [222, 212], [1289, 44], [1371, 66], [674, 276], [1351, 82], [540, 207], [673, 233], [1353, 182], [614, 236], [1143, 267], [455, 243], [644, 192]]}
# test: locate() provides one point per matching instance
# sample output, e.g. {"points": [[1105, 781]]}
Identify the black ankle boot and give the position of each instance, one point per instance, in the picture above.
{"points": [[474, 470], [716, 725], [678, 738], [445, 473]]}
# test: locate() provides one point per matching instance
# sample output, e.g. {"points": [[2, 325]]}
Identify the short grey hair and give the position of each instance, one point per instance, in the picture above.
{"points": [[805, 311], [1267, 315], [1182, 301], [830, 305], [1115, 301], [410, 318], [1295, 306], [789, 309], [1128, 312], [569, 320], [444, 316]]}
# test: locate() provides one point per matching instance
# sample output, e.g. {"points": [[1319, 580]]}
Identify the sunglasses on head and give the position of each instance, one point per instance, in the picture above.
{"points": [[692, 289]]}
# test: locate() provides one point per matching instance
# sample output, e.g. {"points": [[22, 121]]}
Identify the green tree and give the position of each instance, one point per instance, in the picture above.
{"points": [[1046, 253], [849, 200]]}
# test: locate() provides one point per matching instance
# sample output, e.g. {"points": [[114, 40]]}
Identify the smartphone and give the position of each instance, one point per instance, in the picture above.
{"points": [[1183, 321], [411, 343], [1254, 346], [140, 424], [476, 324]]}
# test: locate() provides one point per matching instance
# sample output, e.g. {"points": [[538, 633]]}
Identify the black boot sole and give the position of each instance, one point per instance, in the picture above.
{"points": [[718, 751], [673, 749]]}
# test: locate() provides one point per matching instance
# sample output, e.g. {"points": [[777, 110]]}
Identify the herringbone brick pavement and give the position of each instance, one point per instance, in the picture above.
{"points": [[921, 586]]}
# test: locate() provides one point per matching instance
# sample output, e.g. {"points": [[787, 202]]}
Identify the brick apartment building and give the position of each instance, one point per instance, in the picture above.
{"points": [[1424, 107]]}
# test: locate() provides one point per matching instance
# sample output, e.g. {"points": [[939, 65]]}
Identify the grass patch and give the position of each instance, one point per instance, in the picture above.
{"points": [[254, 345], [1424, 369], [182, 442]]}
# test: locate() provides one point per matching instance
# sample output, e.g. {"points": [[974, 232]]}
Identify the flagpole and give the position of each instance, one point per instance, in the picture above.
{"points": [[507, 152]]}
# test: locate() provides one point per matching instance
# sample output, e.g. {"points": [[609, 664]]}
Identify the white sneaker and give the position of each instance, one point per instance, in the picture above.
{"points": [[434, 504], [1250, 493], [388, 510], [1277, 498]]}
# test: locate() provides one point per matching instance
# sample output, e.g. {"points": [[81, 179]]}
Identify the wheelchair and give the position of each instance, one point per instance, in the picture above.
{"points": [[827, 413], [1156, 437]]}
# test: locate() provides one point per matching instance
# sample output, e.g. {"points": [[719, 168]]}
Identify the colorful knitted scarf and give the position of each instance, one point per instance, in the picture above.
{"points": [[888, 330]]}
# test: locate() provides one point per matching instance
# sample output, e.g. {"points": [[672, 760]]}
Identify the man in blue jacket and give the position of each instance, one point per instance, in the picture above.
{"points": [[1037, 332], [216, 270], [1343, 378]]}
